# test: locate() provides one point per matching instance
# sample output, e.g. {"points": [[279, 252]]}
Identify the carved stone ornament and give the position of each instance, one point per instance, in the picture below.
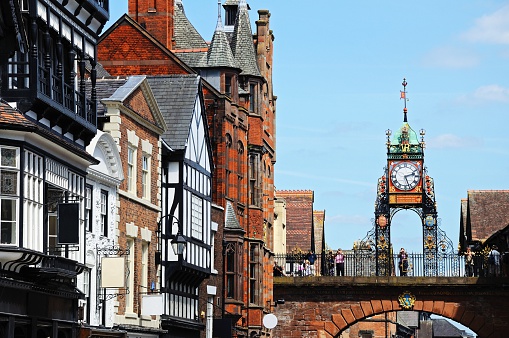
{"points": [[406, 300]]}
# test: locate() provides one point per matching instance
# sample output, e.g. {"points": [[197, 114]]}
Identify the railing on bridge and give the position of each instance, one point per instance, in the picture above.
{"points": [[363, 263]]}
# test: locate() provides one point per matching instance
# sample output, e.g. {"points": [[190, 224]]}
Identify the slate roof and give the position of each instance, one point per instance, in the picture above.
{"points": [[105, 88], [186, 36], [231, 218], [13, 119], [193, 58], [444, 328], [101, 72], [488, 212], [220, 52], [242, 43], [176, 97]]}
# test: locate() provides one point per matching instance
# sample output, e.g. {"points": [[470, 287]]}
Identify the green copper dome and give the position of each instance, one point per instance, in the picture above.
{"points": [[405, 140]]}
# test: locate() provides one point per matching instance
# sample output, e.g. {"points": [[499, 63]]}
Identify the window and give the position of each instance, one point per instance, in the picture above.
{"points": [[230, 270], [253, 182], [253, 273], [197, 217], [145, 176], [129, 297], [104, 213], [144, 267], [228, 85], [252, 98], [231, 15], [52, 231], [9, 177], [88, 207], [131, 173]]}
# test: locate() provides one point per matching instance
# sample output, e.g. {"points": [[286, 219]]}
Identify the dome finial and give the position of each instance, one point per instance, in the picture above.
{"points": [[403, 96]]}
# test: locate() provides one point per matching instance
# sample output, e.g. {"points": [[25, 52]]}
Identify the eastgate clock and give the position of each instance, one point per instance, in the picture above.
{"points": [[405, 176]]}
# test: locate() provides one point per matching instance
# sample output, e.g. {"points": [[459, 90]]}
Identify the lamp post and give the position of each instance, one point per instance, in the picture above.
{"points": [[178, 242]]}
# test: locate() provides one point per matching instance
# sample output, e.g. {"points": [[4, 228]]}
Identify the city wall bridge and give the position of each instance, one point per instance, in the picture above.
{"points": [[317, 305], [325, 306]]}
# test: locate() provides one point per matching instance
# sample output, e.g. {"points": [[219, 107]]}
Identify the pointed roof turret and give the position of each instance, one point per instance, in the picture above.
{"points": [[220, 52], [242, 42], [186, 36], [190, 46], [231, 217], [405, 140]]}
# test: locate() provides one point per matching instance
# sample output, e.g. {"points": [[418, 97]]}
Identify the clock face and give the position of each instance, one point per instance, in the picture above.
{"points": [[405, 176]]}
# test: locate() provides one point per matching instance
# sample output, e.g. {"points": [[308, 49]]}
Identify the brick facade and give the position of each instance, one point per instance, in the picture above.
{"points": [[134, 125], [299, 219], [144, 43]]}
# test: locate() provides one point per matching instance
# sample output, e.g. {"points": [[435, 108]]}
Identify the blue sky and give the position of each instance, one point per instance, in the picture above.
{"points": [[338, 68]]}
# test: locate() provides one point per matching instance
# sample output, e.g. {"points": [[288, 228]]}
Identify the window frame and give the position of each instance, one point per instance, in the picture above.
{"points": [[89, 194], [104, 212], [197, 217], [11, 197], [145, 176], [131, 169]]}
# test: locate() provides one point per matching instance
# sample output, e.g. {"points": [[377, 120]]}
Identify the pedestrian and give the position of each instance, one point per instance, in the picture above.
{"points": [[494, 261], [403, 262], [340, 263], [278, 270], [469, 263], [311, 257]]}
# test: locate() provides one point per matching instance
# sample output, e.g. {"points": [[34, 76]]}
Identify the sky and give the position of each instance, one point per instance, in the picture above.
{"points": [[338, 69]]}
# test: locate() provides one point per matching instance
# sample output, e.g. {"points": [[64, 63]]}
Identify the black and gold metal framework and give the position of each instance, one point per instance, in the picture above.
{"points": [[406, 185]]}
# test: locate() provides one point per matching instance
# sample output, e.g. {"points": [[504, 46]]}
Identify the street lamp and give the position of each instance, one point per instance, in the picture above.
{"points": [[179, 244]]}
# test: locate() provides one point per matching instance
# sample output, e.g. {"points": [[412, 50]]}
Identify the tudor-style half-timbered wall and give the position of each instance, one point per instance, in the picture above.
{"points": [[46, 123], [186, 195]]}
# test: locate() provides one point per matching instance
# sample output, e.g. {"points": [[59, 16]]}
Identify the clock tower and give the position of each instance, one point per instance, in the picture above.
{"points": [[406, 184]]}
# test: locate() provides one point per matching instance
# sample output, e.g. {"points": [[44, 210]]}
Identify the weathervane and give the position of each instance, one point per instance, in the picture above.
{"points": [[403, 96]]}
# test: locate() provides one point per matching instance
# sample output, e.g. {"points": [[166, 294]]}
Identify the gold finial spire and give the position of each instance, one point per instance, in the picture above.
{"points": [[403, 96]]}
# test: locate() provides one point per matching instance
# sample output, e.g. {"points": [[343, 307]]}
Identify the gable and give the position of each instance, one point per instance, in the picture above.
{"points": [[128, 49], [488, 212], [197, 149]]}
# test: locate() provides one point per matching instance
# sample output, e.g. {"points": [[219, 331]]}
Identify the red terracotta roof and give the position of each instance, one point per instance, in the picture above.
{"points": [[487, 212]]}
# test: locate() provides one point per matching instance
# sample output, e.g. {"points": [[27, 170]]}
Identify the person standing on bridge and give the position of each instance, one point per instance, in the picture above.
{"points": [[494, 261], [340, 263], [469, 263], [403, 262]]}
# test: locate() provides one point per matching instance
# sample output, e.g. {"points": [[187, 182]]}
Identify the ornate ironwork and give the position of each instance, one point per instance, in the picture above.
{"points": [[102, 293]]}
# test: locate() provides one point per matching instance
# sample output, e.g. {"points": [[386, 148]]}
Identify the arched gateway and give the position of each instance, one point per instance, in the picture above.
{"points": [[325, 307]]}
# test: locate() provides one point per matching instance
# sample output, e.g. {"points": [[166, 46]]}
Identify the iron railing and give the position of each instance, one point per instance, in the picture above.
{"points": [[363, 263]]}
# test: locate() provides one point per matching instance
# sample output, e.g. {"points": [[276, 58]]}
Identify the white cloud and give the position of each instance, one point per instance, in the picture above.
{"points": [[486, 94], [452, 141], [450, 57], [491, 93], [491, 28]]}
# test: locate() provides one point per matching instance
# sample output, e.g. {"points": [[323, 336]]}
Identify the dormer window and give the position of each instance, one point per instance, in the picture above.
{"points": [[230, 15], [228, 85]]}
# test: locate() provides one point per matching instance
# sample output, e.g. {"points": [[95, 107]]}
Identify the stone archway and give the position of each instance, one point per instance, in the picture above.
{"points": [[327, 306], [358, 312]]}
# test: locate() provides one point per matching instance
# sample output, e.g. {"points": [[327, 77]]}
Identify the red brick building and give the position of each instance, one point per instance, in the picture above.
{"points": [[300, 233], [156, 38], [136, 124]]}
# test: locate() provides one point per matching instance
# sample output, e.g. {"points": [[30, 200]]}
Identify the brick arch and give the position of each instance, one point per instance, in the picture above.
{"points": [[358, 312], [325, 306]]}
